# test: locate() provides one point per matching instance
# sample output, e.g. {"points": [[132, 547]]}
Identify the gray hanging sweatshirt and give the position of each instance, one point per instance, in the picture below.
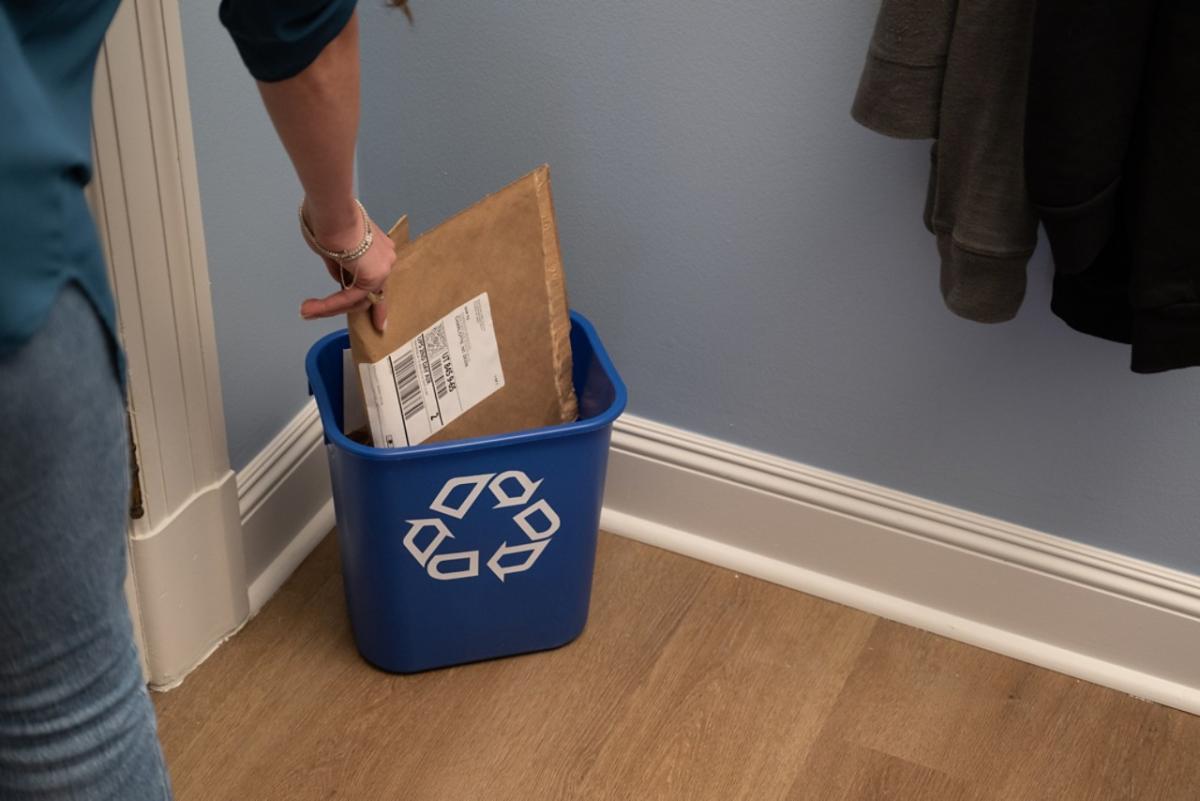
{"points": [[956, 71]]}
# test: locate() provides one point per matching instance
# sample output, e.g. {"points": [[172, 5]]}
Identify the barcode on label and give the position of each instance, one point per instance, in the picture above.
{"points": [[408, 388], [439, 378]]}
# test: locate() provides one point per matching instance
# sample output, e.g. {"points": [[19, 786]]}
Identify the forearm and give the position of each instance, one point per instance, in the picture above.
{"points": [[316, 115], [305, 55]]}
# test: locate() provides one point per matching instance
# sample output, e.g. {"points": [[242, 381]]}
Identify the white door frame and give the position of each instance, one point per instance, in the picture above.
{"points": [[187, 582]]}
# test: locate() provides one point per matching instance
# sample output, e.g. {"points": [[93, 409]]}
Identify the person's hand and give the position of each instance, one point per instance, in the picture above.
{"points": [[366, 274]]}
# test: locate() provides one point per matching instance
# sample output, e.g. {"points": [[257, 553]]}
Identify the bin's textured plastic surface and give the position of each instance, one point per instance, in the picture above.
{"points": [[461, 551]]}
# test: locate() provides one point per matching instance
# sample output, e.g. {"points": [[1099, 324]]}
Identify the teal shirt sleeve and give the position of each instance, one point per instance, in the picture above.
{"points": [[278, 39]]}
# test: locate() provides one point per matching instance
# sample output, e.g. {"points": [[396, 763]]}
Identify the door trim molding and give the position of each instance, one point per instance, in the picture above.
{"points": [[187, 577]]}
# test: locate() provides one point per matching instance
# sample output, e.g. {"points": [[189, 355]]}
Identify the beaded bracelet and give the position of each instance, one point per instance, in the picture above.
{"points": [[340, 256]]}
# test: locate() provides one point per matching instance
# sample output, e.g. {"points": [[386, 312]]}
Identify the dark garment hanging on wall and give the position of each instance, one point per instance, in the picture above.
{"points": [[1112, 146], [957, 72], [1085, 114]]}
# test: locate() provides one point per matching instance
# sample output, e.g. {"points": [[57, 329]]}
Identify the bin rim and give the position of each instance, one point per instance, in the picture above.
{"points": [[333, 433]]}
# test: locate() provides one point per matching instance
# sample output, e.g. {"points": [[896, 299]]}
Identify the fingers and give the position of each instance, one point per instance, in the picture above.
{"points": [[341, 302], [369, 273], [372, 270], [379, 315]]}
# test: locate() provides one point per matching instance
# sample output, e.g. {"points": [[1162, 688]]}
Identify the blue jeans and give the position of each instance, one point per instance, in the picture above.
{"points": [[75, 719]]}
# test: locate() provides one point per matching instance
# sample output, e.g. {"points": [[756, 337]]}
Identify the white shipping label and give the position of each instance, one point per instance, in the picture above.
{"points": [[434, 378]]}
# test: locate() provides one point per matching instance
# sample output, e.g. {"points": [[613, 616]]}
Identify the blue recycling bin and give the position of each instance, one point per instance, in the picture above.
{"points": [[468, 550]]}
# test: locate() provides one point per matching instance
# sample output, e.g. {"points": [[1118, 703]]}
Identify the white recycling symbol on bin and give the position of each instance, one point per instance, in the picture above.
{"points": [[537, 520]]}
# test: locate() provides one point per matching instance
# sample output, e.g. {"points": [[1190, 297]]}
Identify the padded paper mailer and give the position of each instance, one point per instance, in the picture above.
{"points": [[507, 246]]}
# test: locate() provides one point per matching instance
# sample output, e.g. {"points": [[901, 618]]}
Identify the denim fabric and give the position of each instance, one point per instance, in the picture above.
{"points": [[75, 719]]}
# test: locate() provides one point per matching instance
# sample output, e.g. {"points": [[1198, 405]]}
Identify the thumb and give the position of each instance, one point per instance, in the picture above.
{"points": [[379, 315]]}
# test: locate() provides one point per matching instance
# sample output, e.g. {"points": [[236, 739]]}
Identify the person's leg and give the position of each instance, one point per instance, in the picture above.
{"points": [[75, 719]]}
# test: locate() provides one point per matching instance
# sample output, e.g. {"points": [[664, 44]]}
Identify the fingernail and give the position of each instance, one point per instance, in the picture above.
{"points": [[383, 327]]}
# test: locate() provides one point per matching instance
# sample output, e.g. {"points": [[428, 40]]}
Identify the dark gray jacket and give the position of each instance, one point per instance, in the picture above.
{"points": [[957, 72]]}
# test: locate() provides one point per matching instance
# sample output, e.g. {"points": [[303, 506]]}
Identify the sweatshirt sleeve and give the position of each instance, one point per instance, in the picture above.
{"points": [[276, 38], [900, 91]]}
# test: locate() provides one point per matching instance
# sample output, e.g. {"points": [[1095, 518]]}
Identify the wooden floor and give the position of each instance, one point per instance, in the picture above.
{"points": [[691, 682]]}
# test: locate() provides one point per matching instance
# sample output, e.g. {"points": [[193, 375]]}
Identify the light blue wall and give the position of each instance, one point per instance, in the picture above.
{"points": [[756, 261], [259, 266]]}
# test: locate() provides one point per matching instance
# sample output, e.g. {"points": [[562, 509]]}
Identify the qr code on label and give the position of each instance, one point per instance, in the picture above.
{"points": [[435, 339]]}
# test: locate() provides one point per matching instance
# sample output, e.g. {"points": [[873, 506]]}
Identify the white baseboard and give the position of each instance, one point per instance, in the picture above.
{"points": [[1090, 613], [1076, 609], [283, 500], [285, 503], [268, 582]]}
